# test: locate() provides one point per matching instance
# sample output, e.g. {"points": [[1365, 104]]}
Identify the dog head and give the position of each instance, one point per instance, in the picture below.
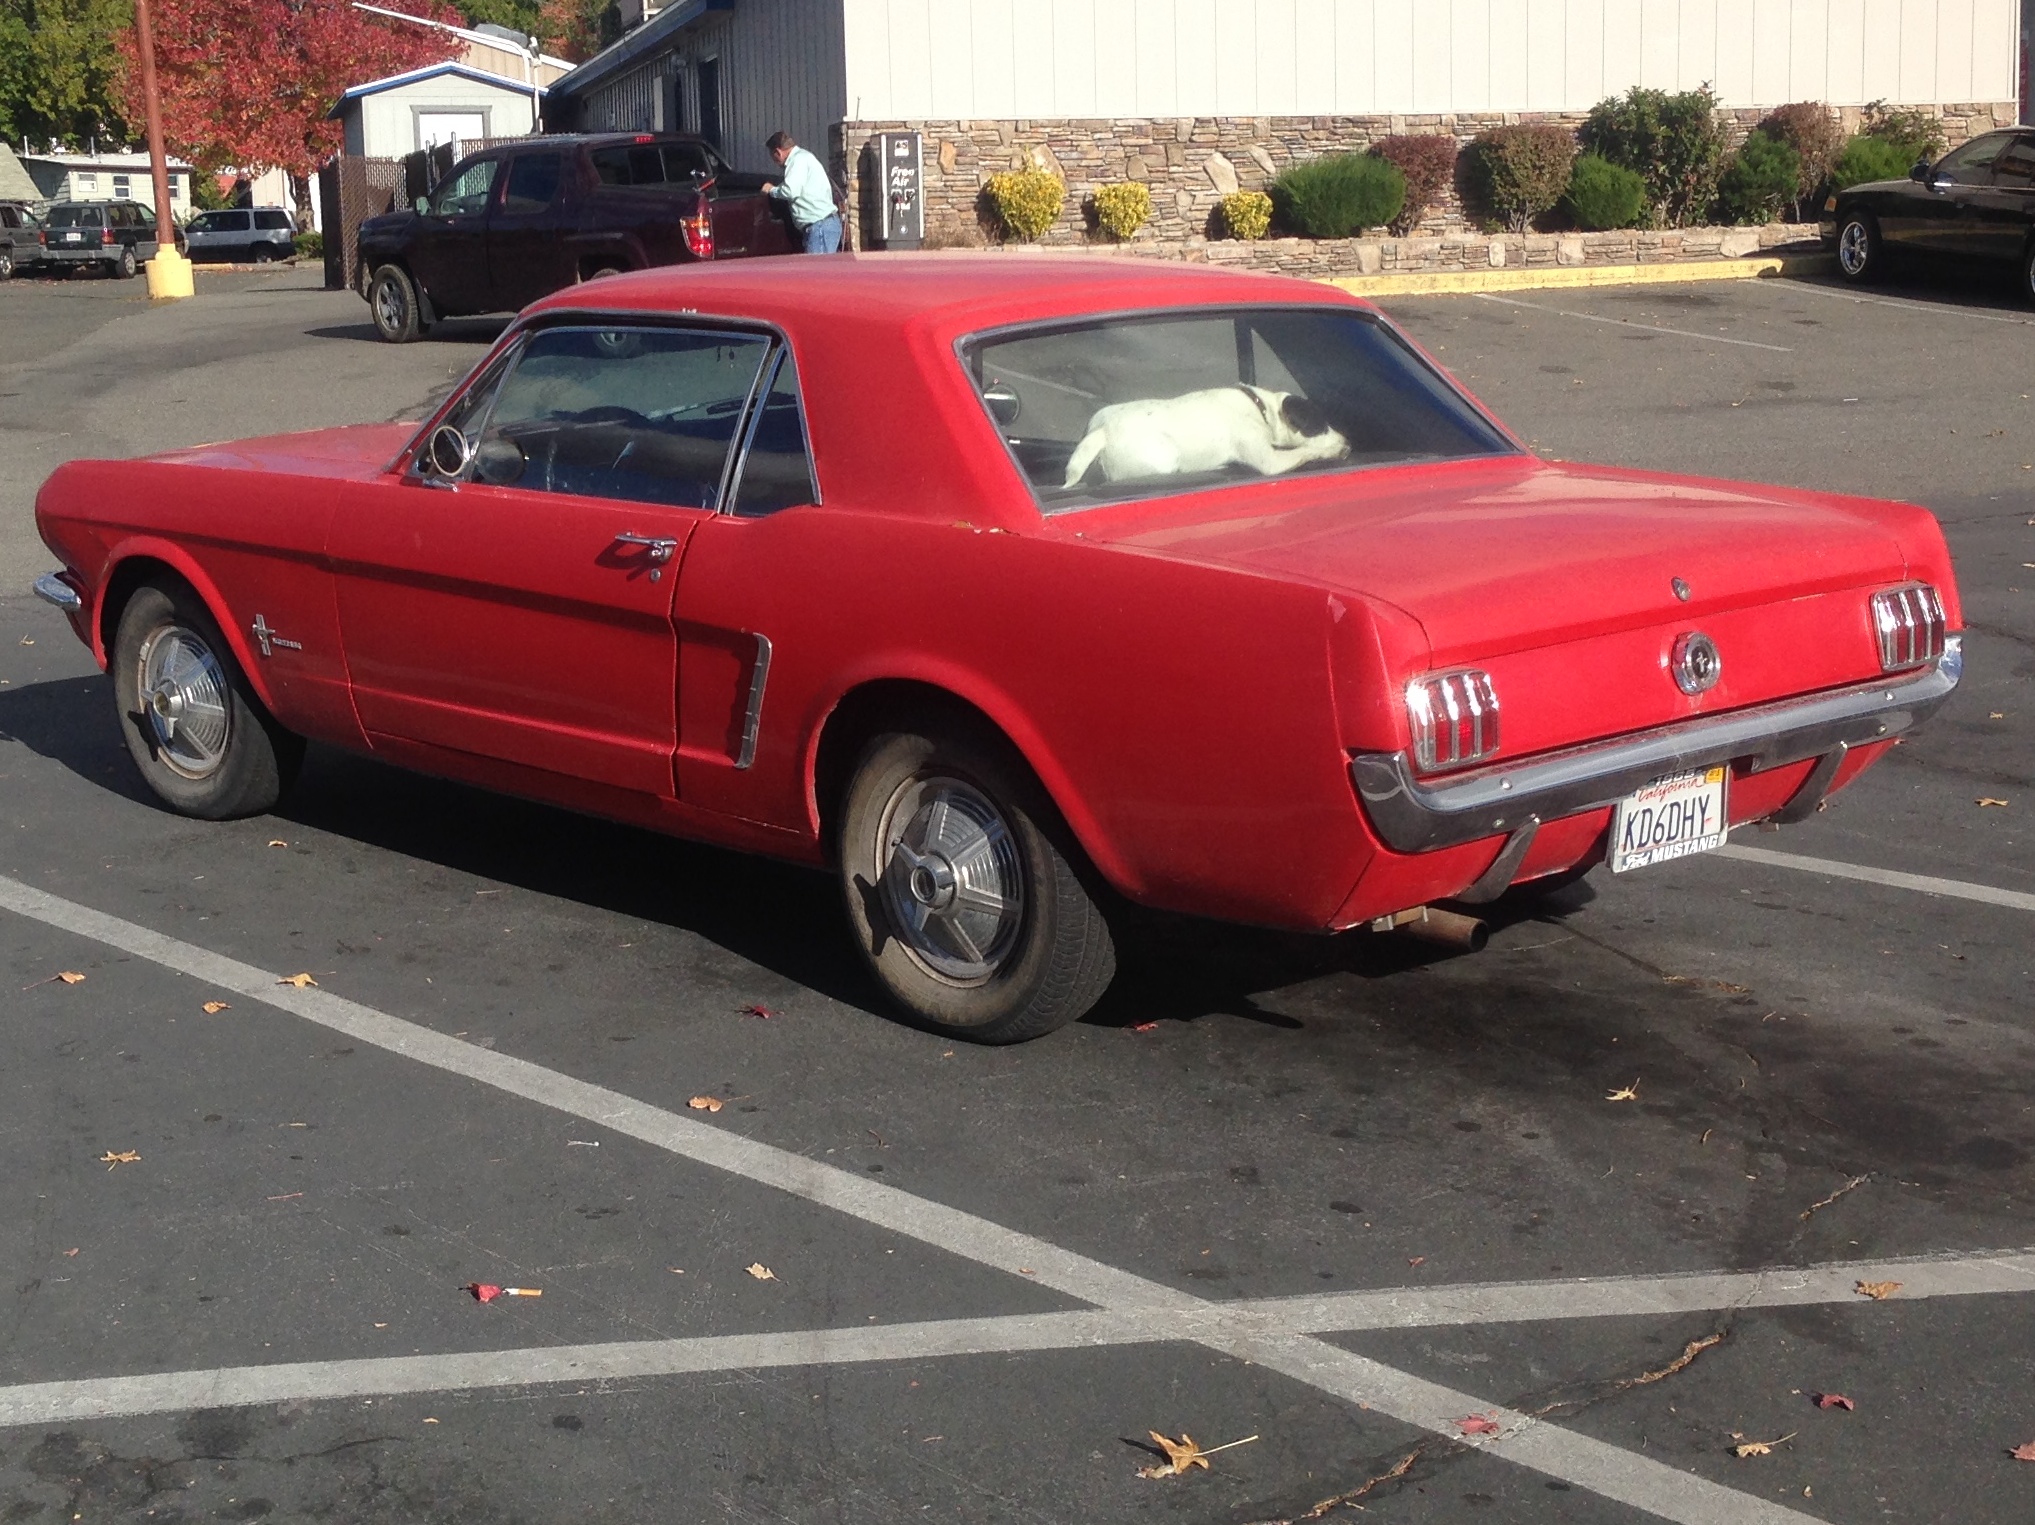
{"points": [[1295, 421]]}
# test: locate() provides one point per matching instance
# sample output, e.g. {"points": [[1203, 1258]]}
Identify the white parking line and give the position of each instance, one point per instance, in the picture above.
{"points": [[1249, 1328], [1927, 884], [1933, 309], [1581, 1462], [1652, 328]]}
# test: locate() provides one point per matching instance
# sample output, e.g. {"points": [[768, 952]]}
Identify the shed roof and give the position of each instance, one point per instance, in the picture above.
{"points": [[430, 71]]}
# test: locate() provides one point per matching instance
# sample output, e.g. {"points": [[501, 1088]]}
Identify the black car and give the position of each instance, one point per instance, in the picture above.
{"points": [[1977, 202], [18, 248], [116, 236]]}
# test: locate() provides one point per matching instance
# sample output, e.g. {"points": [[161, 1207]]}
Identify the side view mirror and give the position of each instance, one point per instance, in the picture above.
{"points": [[449, 451], [1920, 172]]}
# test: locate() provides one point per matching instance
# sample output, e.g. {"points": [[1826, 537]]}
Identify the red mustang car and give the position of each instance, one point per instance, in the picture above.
{"points": [[1011, 589]]}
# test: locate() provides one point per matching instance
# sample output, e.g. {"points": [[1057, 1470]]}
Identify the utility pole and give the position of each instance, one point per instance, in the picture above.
{"points": [[169, 273]]}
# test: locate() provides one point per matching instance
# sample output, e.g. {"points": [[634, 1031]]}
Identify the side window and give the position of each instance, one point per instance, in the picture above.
{"points": [[272, 222], [533, 181], [777, 468], [1969, 164], [2016, 167], [682, 161], [466, 190], [640, 415]]}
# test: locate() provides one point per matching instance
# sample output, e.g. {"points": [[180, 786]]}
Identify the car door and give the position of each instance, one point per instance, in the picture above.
{"points": [[2005, 210], [1947, 213], [746, 221], [527, 255], [448, 254], [731, 597], [519, 608]]}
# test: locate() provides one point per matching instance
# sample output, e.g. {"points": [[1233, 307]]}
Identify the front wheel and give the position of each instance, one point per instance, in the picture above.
{"points": [[1859, 253], [969, 913], [6, 264], [194, 727], [392, 298]]}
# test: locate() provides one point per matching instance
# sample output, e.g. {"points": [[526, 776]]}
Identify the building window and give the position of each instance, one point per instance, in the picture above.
{"points": [[88, 182], [121, 189]]}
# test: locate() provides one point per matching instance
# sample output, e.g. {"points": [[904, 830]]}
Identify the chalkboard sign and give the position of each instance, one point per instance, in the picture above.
{"points": [[900, 190]]}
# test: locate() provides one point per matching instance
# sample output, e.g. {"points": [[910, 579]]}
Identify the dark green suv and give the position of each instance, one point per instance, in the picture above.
{"points": [[117, 236]]}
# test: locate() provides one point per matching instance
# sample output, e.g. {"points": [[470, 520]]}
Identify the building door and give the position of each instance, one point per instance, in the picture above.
{"points": [[710, 101], [435, 127]]}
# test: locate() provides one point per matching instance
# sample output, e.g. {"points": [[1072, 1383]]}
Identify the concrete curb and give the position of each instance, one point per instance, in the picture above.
{"points": [[1547, 277]]}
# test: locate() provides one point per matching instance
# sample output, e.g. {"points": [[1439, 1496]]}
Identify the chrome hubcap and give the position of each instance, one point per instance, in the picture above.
{"points": [[184, 699], [389, 305], [952, 881], [1852, 248]]}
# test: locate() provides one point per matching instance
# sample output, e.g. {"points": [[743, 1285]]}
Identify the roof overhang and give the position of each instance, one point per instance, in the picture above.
{"points": [[433, 71], [647, 39]]}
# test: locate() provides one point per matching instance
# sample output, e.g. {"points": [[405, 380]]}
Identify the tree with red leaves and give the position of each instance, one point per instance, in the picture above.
{"points": [[246, 84]]}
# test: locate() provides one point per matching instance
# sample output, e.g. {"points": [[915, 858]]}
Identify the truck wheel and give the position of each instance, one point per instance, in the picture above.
{"points": [[1859, 252], [263, 253], [124, 267], [6, 265], [194, 727], [392, 298], [969, 913]]}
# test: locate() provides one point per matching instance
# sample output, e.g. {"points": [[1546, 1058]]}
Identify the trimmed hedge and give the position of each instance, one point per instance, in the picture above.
{"points": [[1867, 158], [1247, 214], [1428, 161], [1813, 132], [1605, 195], [1122, 208], [1675, 142], [1916, 133], [1760, 180], [1027, 201], [1338, 195]]}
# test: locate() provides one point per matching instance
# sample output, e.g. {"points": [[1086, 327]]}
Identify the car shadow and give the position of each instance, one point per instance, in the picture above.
{"points": [[1964, 284], [481, 331]]}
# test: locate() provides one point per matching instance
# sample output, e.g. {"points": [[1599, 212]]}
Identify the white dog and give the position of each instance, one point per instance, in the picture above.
{"points": [[1268, 431]]}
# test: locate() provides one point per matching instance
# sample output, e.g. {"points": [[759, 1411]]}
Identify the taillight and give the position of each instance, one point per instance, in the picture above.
{"points": [[1454, 716], [42, 237], [1909, 623], [699, 231], [106, 236]]}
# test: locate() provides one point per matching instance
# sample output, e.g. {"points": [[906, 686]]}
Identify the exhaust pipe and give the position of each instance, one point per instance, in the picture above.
{"points": [[1466, 934]]}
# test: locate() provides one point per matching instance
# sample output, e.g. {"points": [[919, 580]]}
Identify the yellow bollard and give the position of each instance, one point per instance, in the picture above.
{"points": [[169, 276]]}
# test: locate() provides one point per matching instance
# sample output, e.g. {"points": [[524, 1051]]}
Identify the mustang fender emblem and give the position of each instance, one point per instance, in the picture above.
{"points": [[1695, 663], [265, 635]]}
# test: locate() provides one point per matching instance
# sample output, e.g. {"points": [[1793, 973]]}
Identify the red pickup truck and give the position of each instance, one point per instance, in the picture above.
{"points": [[519, 221]]}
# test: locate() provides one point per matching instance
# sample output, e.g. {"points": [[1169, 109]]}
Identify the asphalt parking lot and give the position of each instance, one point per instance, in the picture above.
{"points": [[1337, 1196]]}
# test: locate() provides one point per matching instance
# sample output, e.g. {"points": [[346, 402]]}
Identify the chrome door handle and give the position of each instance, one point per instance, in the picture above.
{"points": [[661, 549]]}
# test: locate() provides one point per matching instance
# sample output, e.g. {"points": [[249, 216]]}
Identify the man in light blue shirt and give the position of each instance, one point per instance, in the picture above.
{"points": [[810, 193]]}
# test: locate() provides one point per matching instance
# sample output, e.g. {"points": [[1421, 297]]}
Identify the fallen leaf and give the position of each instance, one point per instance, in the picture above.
{"points": [[1878, 1291], [277, 842], [754, 1010], [1758, 1447], [1416, 1260], [1984, 802], [70, 1254], [1144, 1027], [1477, 1424], [1181, 1454], [1996, 715], [1834, 1401], [1624, 1093], [125, 1157], [706, 1104], [71, 977], [299, 980], [761, 1271], [213, 1008], [2024, 1453]]}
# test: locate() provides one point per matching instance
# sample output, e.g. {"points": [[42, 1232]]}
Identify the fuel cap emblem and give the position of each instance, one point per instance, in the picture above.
{"points": [[1695, 663]]}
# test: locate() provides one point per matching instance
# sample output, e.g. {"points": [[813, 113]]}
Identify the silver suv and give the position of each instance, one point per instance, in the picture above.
{"points": [[257, 234]]}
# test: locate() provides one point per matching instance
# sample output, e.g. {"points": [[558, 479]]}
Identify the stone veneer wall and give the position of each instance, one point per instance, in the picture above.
{"points": [[1190, 163]]}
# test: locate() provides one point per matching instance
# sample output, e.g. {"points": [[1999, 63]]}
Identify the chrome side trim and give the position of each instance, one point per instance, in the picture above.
{"points": [[52, 589], [1412, 816], [752, 715]]}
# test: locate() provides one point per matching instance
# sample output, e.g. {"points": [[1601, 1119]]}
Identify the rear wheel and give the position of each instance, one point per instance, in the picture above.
{"points": [[6, 264], [263, 253], [125, 266], [971, 915], [1859, 252], [392, 298], [194, 727]]}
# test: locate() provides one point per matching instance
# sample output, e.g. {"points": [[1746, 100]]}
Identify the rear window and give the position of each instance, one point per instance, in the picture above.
{"points": [[1135, 407], [651, 163], [75, 217], [272, 222]]}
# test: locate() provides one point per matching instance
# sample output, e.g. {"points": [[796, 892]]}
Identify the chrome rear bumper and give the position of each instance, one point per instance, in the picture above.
{"points": [[52, 589], [1412, 816]]}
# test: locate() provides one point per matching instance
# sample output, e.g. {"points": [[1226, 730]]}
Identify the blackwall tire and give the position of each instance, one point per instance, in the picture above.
{"points": [[195, 729], [392, 300], [125, 266], [1860, 254], [960, 893]]}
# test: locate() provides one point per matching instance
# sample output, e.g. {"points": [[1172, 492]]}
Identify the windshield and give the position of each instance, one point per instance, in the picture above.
{"points": [[1133, 407]]}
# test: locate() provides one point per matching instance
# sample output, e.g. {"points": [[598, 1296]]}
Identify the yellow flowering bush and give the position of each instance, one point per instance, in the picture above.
{"points": [[1248, 214], [1122, 208], [1027, 201]]}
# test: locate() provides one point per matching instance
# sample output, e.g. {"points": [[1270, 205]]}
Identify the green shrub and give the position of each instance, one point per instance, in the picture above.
{"points": [[1027, 201], [1428, 161], [1812, 130], [1605, 195], [311, 245], [1338, 195], [1759, 181], [1247, 214], [1868, 158], [1674, 142], [1521, 171], [1916, 133], [1122, 208]]}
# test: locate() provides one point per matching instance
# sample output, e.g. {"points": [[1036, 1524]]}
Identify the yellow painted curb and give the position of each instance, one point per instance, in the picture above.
{"points": [[1547, 277]]}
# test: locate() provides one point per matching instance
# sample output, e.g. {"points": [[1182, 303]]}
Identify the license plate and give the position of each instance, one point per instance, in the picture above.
{"points": [[1670, 818], [74, 238]]}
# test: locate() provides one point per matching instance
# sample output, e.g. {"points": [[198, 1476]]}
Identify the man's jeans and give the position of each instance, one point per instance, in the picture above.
{"points": [[824, 236]]}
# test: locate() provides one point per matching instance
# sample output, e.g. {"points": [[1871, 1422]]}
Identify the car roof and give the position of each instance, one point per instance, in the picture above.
{"points": [[979, 289]]}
